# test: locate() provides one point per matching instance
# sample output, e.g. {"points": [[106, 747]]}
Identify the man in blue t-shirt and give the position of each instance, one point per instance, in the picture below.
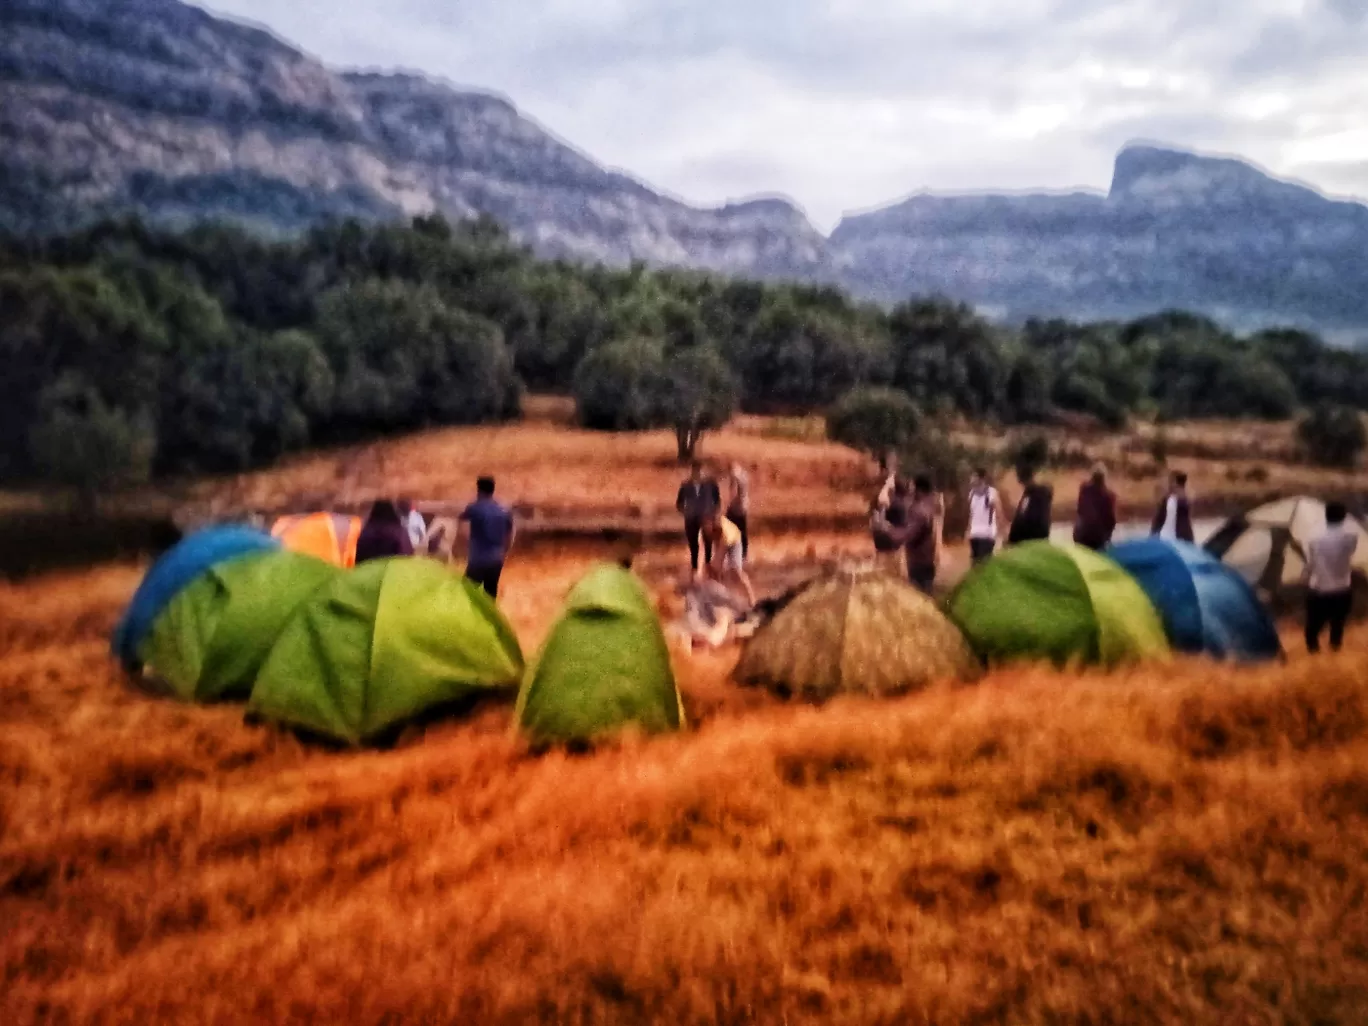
{"points": [[491, 535]]}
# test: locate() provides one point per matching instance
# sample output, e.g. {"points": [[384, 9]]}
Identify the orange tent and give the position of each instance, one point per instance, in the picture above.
{"points": [[330, 537]]}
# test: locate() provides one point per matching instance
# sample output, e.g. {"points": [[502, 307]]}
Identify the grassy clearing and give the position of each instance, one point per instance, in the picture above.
{"points": [[1175, 845], [547, 465]]}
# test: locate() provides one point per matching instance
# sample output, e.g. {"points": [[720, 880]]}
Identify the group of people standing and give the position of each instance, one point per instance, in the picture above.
{"points": [[395, 528], [1095, 522], [719, 531], [908, 522]]}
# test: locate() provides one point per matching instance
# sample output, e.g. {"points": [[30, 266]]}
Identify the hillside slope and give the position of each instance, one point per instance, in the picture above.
{"points": [[108, 106], [158, 106]]}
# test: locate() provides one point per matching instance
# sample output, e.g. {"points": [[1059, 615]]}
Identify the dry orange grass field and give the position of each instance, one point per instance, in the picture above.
{"points": [[587, 479], [1175, 845]]}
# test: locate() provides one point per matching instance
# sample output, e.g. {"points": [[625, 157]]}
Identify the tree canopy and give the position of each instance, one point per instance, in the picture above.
{"points": [[132, 351]]}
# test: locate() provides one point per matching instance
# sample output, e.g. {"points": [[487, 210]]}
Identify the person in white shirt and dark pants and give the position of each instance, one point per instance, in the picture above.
{"points": [[1329, 579]]}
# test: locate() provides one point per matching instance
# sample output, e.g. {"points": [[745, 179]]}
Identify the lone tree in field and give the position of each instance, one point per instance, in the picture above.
{"points": [[876, 421], [1333, 435], [634, 385], [697, 392]]}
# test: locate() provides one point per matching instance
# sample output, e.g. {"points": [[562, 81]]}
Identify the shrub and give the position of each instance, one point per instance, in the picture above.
{"points": [[403, 358], [1332, 435], [877, 421], [84, 443], [616, 387]]}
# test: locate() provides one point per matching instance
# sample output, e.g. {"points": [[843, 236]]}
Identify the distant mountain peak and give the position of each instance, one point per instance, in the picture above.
{"points": [[154, 106], [1158, 174]]}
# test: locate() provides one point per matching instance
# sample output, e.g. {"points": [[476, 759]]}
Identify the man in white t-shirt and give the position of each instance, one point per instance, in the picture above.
{"points": [[985, 516], [1329, 579]]}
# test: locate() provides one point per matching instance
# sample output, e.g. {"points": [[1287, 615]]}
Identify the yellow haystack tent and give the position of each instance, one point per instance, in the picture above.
{"points": [[856, 633]]}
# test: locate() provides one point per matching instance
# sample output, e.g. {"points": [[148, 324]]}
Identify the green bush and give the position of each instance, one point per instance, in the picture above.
{"points": [[616, 387], [635, 385], [82, 442], [1333, 435], [403, 358], [876, 421]]}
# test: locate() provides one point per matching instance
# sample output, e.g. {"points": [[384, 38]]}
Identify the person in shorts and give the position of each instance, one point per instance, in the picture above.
{"points": [[730, 549]]}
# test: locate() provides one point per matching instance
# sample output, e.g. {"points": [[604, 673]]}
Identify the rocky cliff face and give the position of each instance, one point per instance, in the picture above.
{"points": [[153, 105], [158, 106], [1176, 230]]}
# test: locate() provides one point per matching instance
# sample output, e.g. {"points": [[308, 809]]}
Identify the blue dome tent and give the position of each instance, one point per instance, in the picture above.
{"points": [[172, 573], [1205, 605]]}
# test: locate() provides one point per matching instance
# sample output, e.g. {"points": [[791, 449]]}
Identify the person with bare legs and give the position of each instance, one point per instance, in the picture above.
{"points": [[729, 562]]}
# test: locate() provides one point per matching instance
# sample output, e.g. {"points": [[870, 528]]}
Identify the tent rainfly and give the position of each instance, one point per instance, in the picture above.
{"points": [[605, 666], [1061, 603], [856, 633]]}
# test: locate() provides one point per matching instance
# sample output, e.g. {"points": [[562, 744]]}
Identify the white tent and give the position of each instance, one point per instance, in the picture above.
{"points": [[1267, 545]]}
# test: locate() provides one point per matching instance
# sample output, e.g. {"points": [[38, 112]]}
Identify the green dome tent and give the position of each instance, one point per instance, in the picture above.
{"points": [[870, 634], [209, 641], [384, 643], [1062, 603], [604, 666]]}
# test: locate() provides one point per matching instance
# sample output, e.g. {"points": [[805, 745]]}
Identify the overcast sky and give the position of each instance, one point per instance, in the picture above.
{"points": [[847, 104]]}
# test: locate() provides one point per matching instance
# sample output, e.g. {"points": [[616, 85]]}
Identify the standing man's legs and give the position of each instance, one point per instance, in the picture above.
{"points": [[692, 529], [707, 548], [487, 577], [1315, 619], [980, 549], [923, 578], [1339, 606]]}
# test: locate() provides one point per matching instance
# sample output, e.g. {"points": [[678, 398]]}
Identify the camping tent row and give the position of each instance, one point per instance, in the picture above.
{"points": [[872, 633], [353, 654]]}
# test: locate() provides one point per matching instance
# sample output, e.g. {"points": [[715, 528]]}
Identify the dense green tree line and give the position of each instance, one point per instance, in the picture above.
{"points": [[129, 351]]}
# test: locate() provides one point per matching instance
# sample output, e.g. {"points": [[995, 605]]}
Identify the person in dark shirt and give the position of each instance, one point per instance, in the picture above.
{"points": [[698, 499], [1173, 518], [919, 536], [491, 531], [1032, 519], [383, 534], [1096, 518]]}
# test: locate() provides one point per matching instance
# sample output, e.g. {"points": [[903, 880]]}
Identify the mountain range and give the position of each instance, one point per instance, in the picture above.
{"points": [[159, 107]]}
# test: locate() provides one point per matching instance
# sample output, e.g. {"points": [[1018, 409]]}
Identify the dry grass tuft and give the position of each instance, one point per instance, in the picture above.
{"points": [[1039, 848], [1180, 845]]}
